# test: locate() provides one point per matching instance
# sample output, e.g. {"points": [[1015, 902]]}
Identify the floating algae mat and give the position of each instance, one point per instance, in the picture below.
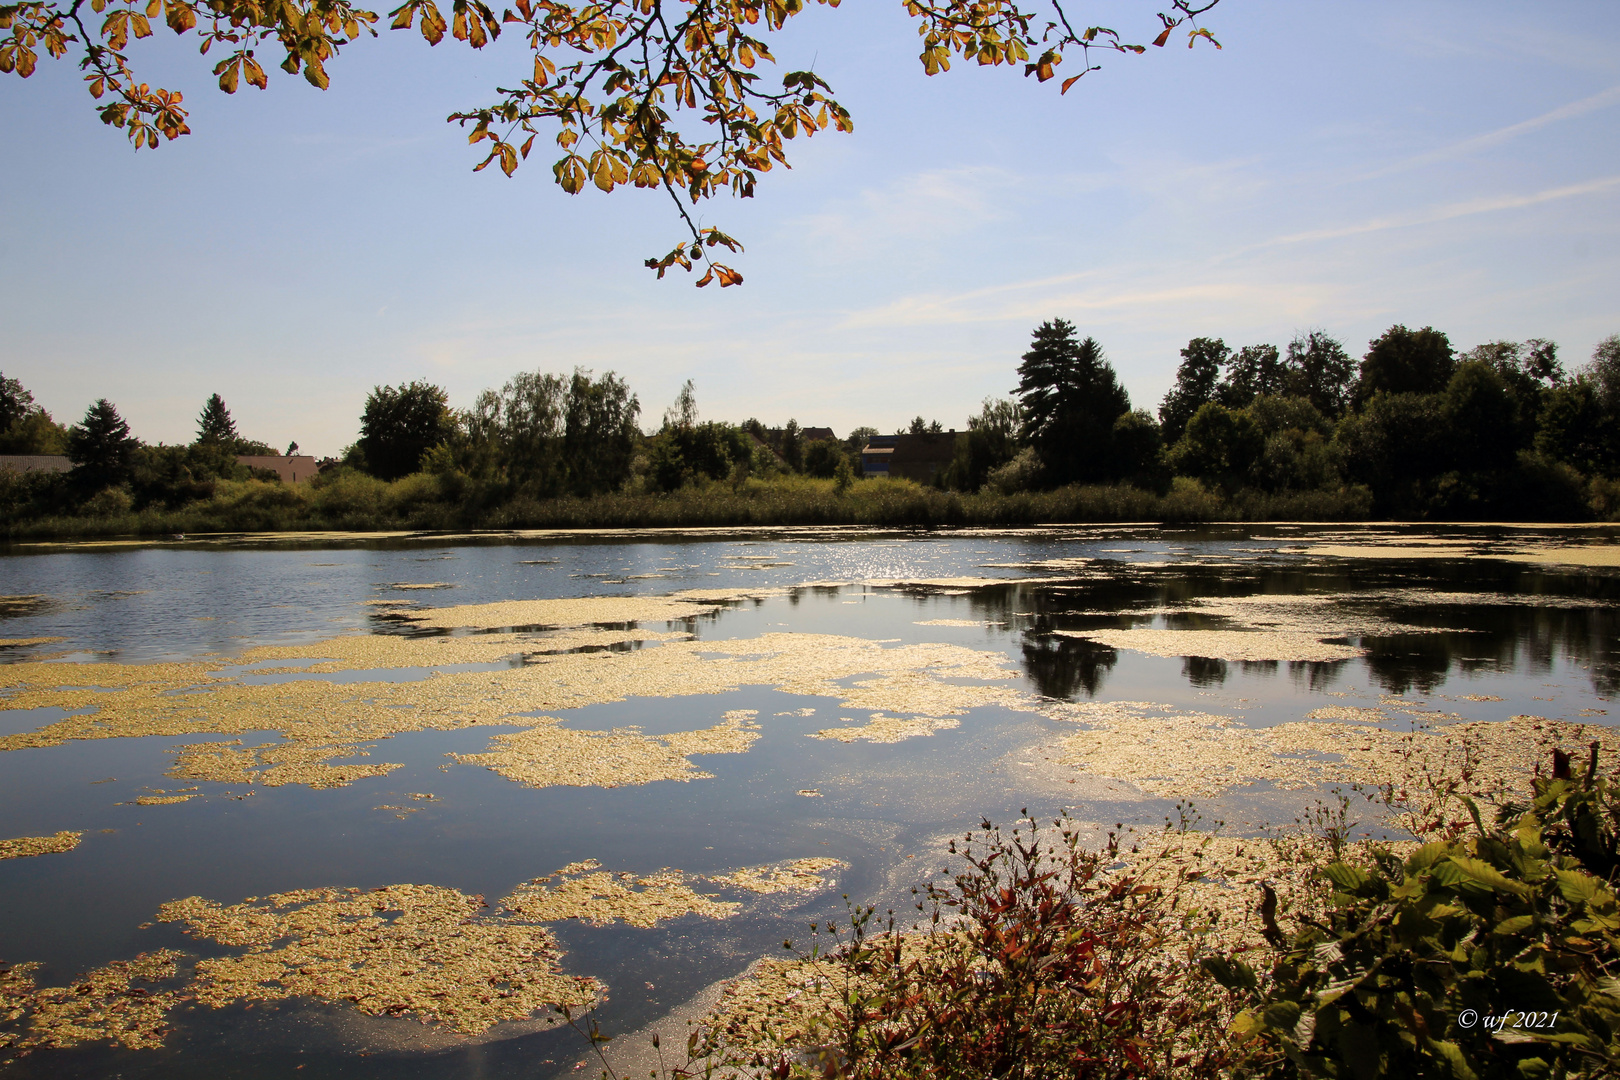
{"points": [[335, 804]]}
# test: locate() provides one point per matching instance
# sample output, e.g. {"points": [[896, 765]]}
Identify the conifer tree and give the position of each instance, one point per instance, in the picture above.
{"points": [[1071, 398], [100, 447], [214, 424]]}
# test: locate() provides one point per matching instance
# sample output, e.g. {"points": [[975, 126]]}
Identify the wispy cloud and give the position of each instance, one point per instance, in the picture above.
{"points": [[930, 207], [1446, 212], [1464, 147], [1222, 282]]}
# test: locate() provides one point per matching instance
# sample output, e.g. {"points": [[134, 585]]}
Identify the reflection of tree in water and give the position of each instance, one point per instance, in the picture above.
{"points": [[1482, 636], [1064, 667], [1520, 640], [1203, 671], [1408, 661], [1316, 675]]}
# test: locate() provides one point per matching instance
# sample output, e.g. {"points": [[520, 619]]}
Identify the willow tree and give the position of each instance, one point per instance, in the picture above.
{"points": [[662, 94]]}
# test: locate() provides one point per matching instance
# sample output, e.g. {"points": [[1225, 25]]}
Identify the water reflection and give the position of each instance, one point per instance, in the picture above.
{"points": [[1066, 668], [1527, 623]]}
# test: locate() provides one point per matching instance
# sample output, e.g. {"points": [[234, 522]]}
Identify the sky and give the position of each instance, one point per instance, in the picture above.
{"points": [[1344, 166]]}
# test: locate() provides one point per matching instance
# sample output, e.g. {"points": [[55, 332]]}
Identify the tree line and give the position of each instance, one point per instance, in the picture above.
{"points": [[1418, 428], [1414, 429]]}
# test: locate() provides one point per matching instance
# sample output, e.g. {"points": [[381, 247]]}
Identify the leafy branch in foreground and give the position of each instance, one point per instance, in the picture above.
{"points": [[1484, 956], [610, 80]]}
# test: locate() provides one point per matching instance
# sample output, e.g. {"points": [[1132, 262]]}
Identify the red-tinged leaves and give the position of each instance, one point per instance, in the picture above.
{"points": [[180, 16], [1070, 82], [474, 23], [1164, 36], [423, 12], [19, 58]]}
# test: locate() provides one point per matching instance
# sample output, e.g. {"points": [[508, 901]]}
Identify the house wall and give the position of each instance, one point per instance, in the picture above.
{"points": [[922, 457], [292, 470]]}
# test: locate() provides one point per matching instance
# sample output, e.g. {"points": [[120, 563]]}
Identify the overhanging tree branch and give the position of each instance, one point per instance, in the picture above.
{"points": [[633, 98]]}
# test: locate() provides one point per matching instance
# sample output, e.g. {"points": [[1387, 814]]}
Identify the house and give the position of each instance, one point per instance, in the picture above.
{"points": [[35, 462], [876, 454], [922, 457], [817, 434], [293, 469]]}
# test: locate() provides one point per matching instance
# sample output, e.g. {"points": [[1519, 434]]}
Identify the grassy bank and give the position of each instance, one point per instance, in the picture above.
{"points": [[356, 502]]}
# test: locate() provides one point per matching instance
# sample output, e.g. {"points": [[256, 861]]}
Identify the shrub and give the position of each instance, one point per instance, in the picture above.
{"points": [[1039, 959], [1422, 960], [1022, 473], [107, 503]]}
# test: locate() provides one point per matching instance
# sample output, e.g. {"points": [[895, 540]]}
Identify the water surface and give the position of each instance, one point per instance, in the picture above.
{"points": [[1460, 636]]}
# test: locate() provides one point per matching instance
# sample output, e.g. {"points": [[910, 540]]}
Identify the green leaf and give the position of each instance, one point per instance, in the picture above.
{"points": [[1282, 1015], [1485, 874], [1345, 876], [1232, 974], [1579, 888], [1452, 1054]]}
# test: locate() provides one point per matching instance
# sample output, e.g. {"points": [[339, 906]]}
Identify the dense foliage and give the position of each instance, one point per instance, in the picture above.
{"points": [[1486, 953], [25, 428], [1039, 958], [1416, 431], [1486, 956]]}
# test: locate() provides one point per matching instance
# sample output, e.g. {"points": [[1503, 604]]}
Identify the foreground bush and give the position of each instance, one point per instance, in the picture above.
{"points": [[1479, 957], [1486, 953], [1039, 959]]}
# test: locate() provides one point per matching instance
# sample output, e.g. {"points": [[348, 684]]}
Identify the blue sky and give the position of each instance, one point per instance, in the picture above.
{"points": [[1336, 165]]}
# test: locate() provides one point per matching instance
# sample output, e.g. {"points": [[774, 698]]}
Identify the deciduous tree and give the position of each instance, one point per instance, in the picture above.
{"points": [[25, 428], [1318, 368], [1196, 382], [1403, 361], [1255, 370], [1220, 444], [990, 442], [399, 425]]}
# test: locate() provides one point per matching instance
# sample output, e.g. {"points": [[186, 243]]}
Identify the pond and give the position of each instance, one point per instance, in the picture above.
{"points": [[357, 805]]}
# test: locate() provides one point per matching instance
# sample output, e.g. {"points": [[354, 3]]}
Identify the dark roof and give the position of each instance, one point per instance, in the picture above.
{"points": [[35, 462], [816, 434]]}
